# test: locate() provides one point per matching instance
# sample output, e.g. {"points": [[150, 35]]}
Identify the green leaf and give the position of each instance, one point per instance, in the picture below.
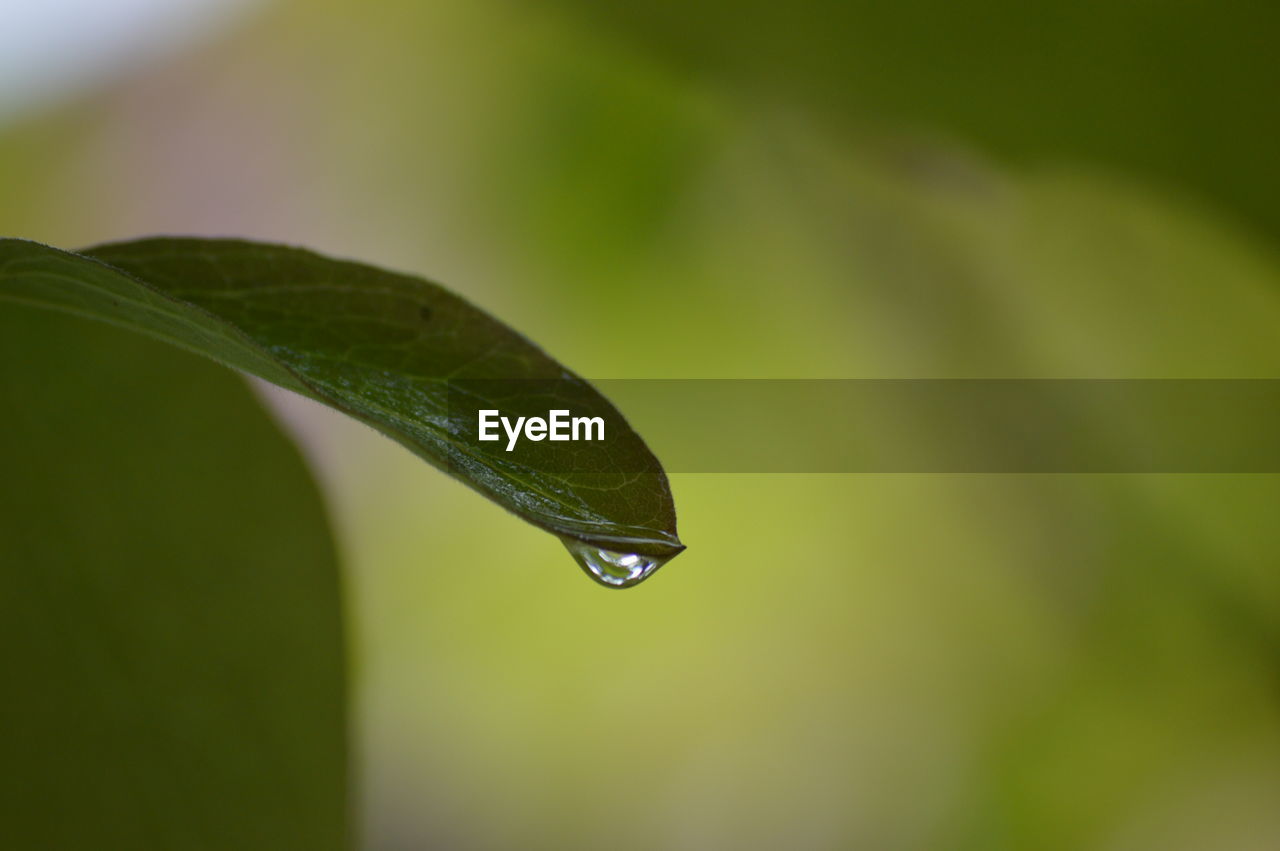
{"points": [[170, 620], [1164, 91], [385, 348]]}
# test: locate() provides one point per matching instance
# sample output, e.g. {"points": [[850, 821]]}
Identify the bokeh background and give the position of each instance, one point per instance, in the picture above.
{"points": [[716, 190]]}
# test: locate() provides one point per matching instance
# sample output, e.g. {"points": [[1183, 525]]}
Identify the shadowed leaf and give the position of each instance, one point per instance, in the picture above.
{"points": [[170, 626]]}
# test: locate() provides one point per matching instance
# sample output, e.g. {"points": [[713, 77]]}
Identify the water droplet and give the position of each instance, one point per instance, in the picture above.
{"points": [[611, 568]]}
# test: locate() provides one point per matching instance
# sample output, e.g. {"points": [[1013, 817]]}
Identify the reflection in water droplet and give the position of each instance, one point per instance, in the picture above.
{"points": [[610, 568]]}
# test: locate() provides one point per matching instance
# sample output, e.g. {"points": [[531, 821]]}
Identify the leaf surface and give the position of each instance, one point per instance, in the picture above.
{"points": [[1161, 92], [170, 621], [386, 348]]}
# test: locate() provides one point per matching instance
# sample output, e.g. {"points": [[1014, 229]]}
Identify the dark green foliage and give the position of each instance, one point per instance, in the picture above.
{"points": [[170, 625]]}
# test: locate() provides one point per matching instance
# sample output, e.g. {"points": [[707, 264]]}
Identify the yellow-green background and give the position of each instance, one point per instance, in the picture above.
{"points": [[873, 662]]}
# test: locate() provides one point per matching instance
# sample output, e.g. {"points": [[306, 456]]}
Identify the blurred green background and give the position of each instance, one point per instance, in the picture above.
{"points": [[821, 189]]}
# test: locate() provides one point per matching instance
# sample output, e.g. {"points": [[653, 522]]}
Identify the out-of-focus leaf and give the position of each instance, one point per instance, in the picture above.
{"points": [[377, 345], [170, 629], [1179, 92]]}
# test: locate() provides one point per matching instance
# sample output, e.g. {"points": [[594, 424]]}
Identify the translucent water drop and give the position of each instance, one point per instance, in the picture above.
{"points": [[611, 568]]}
